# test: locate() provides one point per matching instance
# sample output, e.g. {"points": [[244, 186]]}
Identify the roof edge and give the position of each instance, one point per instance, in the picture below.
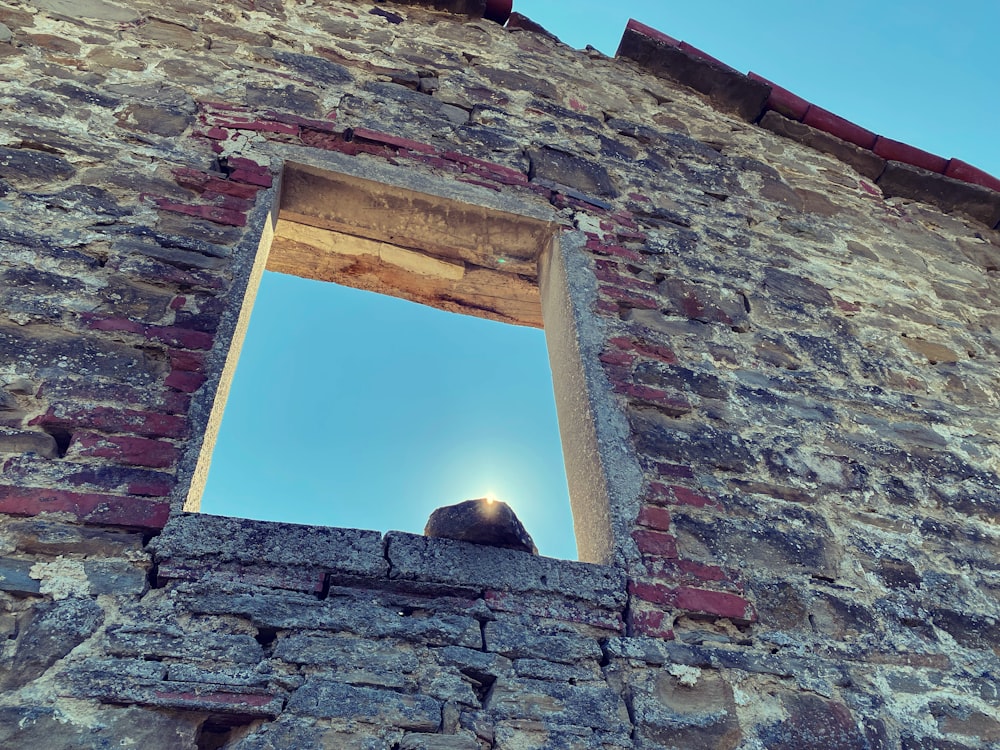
{"points": [[753, 97]]}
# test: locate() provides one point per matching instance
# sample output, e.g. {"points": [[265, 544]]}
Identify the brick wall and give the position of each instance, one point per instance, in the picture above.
{"points": [[791, 378]]}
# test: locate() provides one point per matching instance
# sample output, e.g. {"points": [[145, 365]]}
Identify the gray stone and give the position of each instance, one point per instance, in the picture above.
{"points": [[25, 727], [570, 170], [55, 629], [286, 99], [520, 637], [314, 69], [439, 742], [347, 612], [323, 698], [444, 561], [354, 660], [303, 734], [558, 704], [5, 34], [172, 642], [27, 166], [115, 577], [344, 553], [15, 578], [245, 677], [794, 289], [540, 669], [482, 521]]}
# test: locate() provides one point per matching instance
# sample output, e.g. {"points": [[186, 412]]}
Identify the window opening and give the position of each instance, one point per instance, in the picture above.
{"points": [[350, 372]]}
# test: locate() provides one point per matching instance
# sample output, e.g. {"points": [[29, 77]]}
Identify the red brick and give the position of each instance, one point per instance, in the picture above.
{"points": [[617, 358], [847, 307], [260, 126], [688, 572], [715, 603], [654, 351], [685, 496], [655, 543], [651, 623], [606, 307], [202, 182], [631, 299], [390, 140], [617, 251], [327, 126], [263, 179], [181, 359], [88, 507], [671, 405], [498, 172], [172, 335], [215, 133], [242, 162], [215, 214], [184, 338], [185, 381], [108, 419], [652, 592], [134, 451], [176, 402], [654, 518]]}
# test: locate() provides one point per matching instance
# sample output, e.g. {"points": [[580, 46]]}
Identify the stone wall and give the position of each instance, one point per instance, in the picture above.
{"points": [[791, 378]]}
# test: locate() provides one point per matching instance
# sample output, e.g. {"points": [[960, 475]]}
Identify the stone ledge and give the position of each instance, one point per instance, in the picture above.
{"points": [[192, 537], [203, 548], [728, 88], [446, 562]]}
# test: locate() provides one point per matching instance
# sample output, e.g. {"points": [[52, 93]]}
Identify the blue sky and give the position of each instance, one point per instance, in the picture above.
{"points": [[354, 410]]}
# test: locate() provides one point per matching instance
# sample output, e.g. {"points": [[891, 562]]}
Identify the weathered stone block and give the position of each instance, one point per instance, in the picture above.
{"points": [[325, 699], [439, 742], [28, 166], [39, 727], [728, 88], [570, 170], [443, 561], [55, 629], [948, 194], [687, 707], [519, 637], [596, 707], [173, 643], [344, 553], [813, 722]]}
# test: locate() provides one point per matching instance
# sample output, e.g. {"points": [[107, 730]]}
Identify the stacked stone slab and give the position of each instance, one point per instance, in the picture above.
{"points": [[803, 501]]}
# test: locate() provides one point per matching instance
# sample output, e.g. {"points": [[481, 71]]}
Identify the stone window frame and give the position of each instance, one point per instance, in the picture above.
{"points": [[603, 475]]}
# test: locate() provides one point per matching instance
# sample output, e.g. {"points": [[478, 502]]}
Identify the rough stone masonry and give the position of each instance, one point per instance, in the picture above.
{"points": [[787, 346]]}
